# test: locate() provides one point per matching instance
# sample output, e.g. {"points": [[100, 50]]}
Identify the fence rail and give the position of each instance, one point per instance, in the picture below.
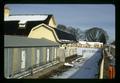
{"points": [[101, 76], [107, 66]]}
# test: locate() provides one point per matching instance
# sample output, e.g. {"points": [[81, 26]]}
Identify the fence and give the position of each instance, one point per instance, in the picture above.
{"points": [[70, 51], [107, 67]]}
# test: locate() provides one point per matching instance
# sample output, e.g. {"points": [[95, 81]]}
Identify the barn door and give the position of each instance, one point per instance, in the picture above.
{"points": [[23, 57]]}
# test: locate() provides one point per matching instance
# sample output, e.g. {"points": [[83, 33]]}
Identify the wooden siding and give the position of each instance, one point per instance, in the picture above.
{"points": [[13, 58], [42, 32], [33, 56], [52, 23]]}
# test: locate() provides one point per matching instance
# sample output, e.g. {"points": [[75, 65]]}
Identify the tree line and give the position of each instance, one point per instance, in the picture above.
{"points": [[94, 34]]}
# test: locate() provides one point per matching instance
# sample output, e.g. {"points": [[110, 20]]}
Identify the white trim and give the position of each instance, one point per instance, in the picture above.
{"points": [[38, 56], [23, 57], [48, 54], [55, 54]]}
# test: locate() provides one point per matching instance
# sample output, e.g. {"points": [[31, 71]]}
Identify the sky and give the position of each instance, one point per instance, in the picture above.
{"points": [[83, 16]]}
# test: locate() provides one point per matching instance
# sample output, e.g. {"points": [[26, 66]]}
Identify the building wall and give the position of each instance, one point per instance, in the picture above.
{"points": [[33, 57], [42, 32], [13, 59], [52, 23], [70, 51], [6, 12], [8, 58]]}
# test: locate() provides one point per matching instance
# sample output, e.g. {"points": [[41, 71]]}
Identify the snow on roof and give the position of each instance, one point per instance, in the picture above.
{"points": [[24, 18], [64, 40], [82, 42], [91, 43]]}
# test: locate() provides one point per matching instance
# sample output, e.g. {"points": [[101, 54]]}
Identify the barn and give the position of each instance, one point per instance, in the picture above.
{"points": [[38, 26]]}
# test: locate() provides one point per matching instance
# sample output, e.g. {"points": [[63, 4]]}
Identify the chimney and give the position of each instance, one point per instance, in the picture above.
{"points": [[6, 11]]}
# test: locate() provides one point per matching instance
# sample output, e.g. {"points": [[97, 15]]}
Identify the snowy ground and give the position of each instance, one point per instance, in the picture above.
{"points": [[83, 68]]}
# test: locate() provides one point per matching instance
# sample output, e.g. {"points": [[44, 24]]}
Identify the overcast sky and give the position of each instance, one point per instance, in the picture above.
{"points": [[83, 16]]}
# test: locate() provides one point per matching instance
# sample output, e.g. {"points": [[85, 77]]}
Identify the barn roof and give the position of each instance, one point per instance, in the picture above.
{"points": [[12, 26], [22, 18], [64, 35], [20, 41]]}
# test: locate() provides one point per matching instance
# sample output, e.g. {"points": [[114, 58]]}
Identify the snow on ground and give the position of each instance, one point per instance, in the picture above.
{"points": [[84, 68]]}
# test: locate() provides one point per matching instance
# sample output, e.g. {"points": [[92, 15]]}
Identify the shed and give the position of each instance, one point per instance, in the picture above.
{"points": [[23, 53]]}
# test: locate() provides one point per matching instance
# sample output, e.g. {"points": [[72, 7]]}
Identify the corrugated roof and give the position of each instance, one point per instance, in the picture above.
{"points": [[19, 41]]}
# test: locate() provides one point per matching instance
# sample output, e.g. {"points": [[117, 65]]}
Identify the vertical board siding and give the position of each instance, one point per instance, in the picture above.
{"points": [[28, 59], [6, 63], [41, 56], [19, 61], [15, 60], [55, 54], [23, 51], [10, 66], [50, 54], [32, 57], [44, 55], [37, 56]]}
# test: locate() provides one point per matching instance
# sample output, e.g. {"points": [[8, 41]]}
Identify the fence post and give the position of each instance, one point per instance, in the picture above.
{"points": [[102, 67], [62, 55]]}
